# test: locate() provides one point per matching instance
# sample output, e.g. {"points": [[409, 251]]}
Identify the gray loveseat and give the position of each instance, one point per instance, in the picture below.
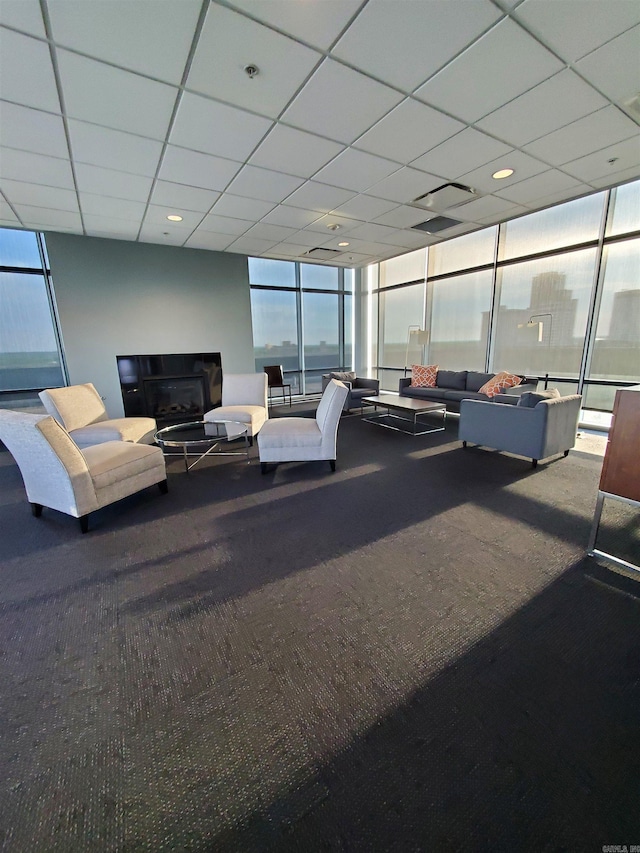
{"points": [[453, 386], [357, 386], [540, 425]]}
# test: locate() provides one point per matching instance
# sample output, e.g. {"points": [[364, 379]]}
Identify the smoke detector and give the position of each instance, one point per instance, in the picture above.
{"points": [[251, 71]]}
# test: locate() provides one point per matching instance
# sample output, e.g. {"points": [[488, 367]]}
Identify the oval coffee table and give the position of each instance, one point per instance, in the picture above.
{"points": [[194, 437]]}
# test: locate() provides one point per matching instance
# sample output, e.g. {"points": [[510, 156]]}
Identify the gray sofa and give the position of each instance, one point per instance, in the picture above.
{"points": [[540, 425], [454, 386]]}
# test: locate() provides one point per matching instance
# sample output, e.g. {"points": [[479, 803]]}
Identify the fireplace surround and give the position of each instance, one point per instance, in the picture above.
{"points": [[172, 388]]}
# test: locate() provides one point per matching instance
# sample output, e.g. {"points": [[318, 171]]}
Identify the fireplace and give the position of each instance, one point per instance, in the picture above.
{"points": [[170, 388]]}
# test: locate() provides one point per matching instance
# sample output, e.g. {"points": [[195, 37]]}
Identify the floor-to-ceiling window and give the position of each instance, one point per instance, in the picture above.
{"points": [[554, 294], [302, 319], [30, 358]]}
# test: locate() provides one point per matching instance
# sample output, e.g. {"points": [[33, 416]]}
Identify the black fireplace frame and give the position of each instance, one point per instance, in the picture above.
{"points": [[134, 371]]}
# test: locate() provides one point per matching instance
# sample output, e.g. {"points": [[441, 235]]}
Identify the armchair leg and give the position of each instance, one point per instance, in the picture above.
{"points": [[164, 487], [36, 510], [263, 467], [464, 443], [332, 462], [566, 453], [84, 523], [534, 463]]}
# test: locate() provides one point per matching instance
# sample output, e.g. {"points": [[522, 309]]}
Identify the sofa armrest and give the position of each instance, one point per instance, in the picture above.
{"points": [[404, 383], [371, 384]]}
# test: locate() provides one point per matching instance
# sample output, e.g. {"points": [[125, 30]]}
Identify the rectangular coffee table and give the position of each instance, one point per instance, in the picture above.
{"points": [[403, 413]]}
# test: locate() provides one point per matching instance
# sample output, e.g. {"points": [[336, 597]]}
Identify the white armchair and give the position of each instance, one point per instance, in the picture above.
{"points": [[244, 399], [305, 439], [57, 474], [80, 410]]}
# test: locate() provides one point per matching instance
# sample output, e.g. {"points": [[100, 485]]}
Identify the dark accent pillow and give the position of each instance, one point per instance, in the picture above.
{"points": [[476, 380], [530, 399], [344, 376], [454, 379]]}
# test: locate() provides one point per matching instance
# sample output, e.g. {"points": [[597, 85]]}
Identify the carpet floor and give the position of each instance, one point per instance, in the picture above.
{"points": [[410, 654]]}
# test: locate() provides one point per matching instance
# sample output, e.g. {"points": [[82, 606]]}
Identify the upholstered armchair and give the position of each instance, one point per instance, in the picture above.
{"points": [[80, 410], [58, 475], [357, 387], [540, 425], [305, 439], [244, 399]]}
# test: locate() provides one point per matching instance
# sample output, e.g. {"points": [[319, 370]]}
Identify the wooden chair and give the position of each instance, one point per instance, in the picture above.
{"points": [[275, 379]]}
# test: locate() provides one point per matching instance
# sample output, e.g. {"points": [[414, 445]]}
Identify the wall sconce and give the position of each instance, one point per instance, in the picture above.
{"points": [[421, 337], [531, 323]]}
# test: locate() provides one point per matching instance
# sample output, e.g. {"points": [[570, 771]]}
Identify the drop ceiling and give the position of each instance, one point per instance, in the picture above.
{"points": [[115, 114]]}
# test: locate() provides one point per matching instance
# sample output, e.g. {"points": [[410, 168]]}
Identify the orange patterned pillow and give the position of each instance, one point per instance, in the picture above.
{"points": [[423, 375], [500, 380]]}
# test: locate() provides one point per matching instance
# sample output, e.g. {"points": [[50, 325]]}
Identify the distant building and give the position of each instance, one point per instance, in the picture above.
{"points": [[625, 317]]}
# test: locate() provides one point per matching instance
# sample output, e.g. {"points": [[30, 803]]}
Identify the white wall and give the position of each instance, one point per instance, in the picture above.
{"points": [[119, 298]]}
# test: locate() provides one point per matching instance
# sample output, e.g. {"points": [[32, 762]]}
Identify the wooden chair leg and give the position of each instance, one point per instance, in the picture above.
{"points": [[36, 510]]}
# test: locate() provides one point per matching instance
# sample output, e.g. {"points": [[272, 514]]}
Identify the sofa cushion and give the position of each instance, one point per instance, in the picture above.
{"points": [[454, 379], [476, 380], [530, 399], [423, 393], [344, 376], [500, 380], [423, 375], [458, 396]]}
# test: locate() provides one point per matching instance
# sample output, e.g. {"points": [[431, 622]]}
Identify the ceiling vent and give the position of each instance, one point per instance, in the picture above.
{"points": [[632, 107], [322, 254], [438, 223], [445, 197]]}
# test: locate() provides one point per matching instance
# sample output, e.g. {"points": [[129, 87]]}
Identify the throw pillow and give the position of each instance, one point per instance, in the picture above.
{"points": [[344, 376], [423, 375], [500, 380], [530, 399]]}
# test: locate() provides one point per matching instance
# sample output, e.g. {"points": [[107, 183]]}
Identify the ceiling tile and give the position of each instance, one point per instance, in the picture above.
{"points": [[264, 184], [214, 128], [294, 152], [574, 28], [402, 217], [494, 64], [50, 171], [618, 178], [115, 208], [24, 15], [153, 233], [117, 99], [355, 170], [107, 226], [269, 232], [326, 104], [38, 87], [558, 101], [224, 225], [364, 207], [307, 239], [209, 241], [565, 194], [465, 151], [626, 155], [287, 250], [178, 195], [408, 131], [109, 182], [615, 67], [22, 193], [32, 130], [318, 24], [113, 149], [195, 169], [590, 133], [373, 233], [251, 245], [523, 165], [322, 224], [503, 216], [405, 185], [526, 192], [481, 208], [149, 37], [313, 196], [407, 55], [216, 70], [241, 208], [41, 218], [291, 217], [7, 216]]}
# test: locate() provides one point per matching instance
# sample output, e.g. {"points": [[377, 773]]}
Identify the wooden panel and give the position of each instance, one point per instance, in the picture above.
{"points": [[621, 467]]}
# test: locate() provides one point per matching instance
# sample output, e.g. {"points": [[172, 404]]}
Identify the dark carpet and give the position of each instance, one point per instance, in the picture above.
{"points": [[410, 654]]}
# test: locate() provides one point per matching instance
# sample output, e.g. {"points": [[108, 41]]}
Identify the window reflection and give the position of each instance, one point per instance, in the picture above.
{"points": [[459, 335]]}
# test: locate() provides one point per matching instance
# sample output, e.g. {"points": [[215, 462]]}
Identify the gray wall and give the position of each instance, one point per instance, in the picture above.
{"points": [[119, 298]]}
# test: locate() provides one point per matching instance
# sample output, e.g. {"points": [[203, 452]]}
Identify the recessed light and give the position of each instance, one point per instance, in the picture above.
{"points": [[343, 244], [173, 217], [333, 226], [502, 173]]}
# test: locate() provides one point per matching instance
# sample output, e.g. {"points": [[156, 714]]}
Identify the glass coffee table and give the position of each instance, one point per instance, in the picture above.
{"points": [[402, 413], [202, 439]]}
